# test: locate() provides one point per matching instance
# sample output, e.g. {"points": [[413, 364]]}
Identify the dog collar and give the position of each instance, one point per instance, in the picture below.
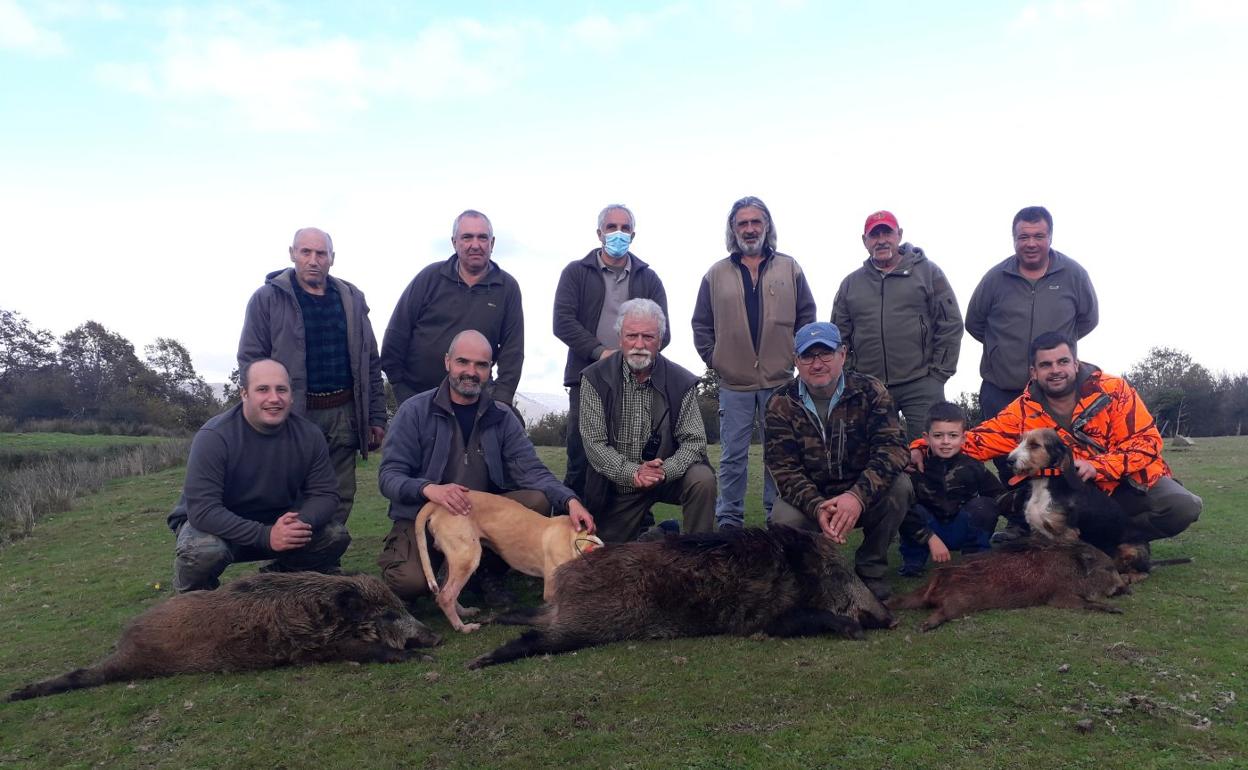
{"points": [[1043, 472]]}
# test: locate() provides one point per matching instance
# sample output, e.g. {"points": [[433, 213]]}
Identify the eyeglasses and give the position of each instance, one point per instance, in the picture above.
{"points": [[825, 356]]}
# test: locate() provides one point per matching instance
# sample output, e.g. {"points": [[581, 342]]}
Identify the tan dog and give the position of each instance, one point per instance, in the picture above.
{"points": [[528, 541]]}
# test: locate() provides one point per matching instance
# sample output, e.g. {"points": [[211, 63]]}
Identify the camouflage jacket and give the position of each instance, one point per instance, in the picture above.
{"points": [[861, 449], [945, 486]]}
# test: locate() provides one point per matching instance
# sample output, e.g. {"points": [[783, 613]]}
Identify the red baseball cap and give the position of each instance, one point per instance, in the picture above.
{"points": [[880, 218]]}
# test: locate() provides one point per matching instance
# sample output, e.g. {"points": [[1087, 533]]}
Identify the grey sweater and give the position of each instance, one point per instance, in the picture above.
{"points": [[1007, 311], [240, 481]]}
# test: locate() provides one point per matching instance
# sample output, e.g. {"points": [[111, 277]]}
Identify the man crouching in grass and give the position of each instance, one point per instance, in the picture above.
{"points": [[259, 485]]}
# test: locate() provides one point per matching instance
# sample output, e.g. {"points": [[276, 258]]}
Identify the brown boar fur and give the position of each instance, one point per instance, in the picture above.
{"points": [[1033, 572], [257, 622], [779, 581]]}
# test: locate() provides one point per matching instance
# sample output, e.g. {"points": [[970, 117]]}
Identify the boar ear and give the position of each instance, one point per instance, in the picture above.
{"points": [[350, 604], [1086, 559]]}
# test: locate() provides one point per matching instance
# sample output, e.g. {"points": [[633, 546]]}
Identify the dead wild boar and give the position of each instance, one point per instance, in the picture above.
{"points": [[779, 581], [1033, 572], [257, 622]]}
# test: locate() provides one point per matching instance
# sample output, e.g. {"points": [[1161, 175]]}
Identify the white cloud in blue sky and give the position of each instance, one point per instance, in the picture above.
{"points": [[155, 158]]}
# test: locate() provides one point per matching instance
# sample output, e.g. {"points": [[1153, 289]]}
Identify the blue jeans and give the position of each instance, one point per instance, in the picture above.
{"points": [[958, 533], [737, 411]]}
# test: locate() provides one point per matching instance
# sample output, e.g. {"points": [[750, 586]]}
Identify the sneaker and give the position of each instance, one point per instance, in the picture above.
{"points": [[879, 587], [494, 591], [911, 570], [1011, 534]]}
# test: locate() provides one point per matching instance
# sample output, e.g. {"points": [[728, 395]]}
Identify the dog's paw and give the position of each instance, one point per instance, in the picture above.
{"points": [[468, 628]]}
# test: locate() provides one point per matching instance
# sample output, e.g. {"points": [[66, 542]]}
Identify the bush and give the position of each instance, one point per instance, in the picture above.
{"points": [[551, 430], [51, 484]]}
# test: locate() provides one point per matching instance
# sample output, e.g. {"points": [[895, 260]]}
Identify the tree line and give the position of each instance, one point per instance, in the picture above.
{"points": [[93, 374]]}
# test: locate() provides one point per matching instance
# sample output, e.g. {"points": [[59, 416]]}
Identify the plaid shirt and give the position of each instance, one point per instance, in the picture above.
{"points": [[325, 339], [619, 462]]}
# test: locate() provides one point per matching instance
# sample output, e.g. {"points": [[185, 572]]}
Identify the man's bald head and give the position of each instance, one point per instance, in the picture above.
{"points": [[469, 360], [312, 252]]}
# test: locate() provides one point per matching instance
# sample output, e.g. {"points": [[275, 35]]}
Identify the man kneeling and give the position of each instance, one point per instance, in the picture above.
{"points": [[643, 432], [259, 485]]}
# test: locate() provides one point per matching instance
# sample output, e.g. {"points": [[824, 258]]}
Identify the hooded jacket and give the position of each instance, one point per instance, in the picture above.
{"points": [[578, 304], [1007, 311], [273, 328], [902, 325]]}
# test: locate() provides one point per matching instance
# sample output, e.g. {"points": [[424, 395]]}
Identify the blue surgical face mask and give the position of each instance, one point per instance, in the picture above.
{"points": [[616, 243]]}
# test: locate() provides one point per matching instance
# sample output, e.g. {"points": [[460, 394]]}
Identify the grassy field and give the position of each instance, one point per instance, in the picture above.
{"points": [[22, 448], [1162, 685]]}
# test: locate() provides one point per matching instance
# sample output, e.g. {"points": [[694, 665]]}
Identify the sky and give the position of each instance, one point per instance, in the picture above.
{"points": [[156, 158]]}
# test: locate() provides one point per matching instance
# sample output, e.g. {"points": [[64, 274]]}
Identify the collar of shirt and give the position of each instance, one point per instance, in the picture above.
{"points": [[809, 402], [620, 272]]}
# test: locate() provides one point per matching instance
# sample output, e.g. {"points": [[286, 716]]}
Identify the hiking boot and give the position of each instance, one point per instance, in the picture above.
{"points": [[1011, 534], [660, 531], [879, 587], [911, 570], [494, 591]]}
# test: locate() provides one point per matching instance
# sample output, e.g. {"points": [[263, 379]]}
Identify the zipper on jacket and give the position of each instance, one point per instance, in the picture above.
{"points": [[883, 331]]}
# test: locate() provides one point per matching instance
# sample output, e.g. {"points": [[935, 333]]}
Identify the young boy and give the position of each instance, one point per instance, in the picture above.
{"points": [[955, 496]]}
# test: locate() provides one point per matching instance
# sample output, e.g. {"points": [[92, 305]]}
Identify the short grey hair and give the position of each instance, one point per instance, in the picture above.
{"points": [[329, 242], [769, 241], [470, 213], [642, 308], [602, 215]]}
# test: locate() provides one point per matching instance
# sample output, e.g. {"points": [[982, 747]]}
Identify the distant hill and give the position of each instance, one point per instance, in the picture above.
{"points": [[535, 406]]}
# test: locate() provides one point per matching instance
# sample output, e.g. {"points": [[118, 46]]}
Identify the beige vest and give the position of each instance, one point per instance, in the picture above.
{"points": [[734, 359]]}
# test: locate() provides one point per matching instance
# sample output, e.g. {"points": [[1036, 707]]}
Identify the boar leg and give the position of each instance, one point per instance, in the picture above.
{"points": [[1076, 602], [810, 622], [528, 644]]}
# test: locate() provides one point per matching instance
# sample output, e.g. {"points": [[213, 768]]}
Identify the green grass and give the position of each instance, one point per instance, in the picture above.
{"points": [[1162, 684], [23, 448]]}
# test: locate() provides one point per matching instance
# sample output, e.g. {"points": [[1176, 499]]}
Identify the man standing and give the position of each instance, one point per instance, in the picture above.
{"points": [[836, 450], [643, 431], [467, 291], [317, 326], [1036, 290], [900, 321], [259, 485], [587, 304], [449, 440], [748, 305], [1109, 430]]}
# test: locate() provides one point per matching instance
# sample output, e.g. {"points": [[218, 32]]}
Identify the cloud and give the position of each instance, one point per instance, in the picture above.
{"points": [[276, 75], [1066, 11], [20, 32]]}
